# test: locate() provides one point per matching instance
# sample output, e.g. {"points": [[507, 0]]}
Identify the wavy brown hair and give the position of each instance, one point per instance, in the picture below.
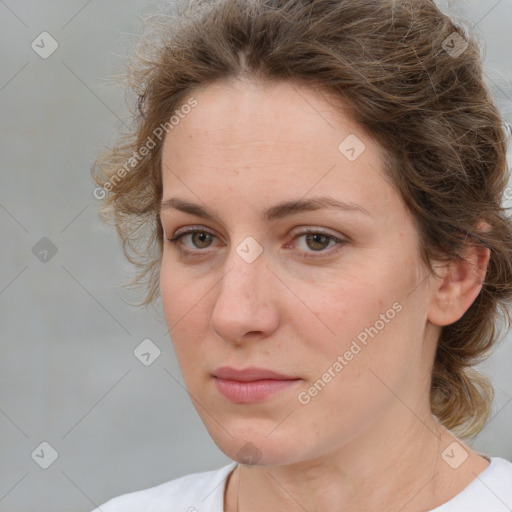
{"points": [[396, 64]]}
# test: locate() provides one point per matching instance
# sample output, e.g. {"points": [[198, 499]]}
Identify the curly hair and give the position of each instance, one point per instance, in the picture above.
{"points": [[415, 83]]}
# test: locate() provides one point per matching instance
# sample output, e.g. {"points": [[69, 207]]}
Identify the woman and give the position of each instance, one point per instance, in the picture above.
{"points": [[317, 186]]}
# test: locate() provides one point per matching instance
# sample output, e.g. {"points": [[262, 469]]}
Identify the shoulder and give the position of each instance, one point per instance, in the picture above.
{"points": [[197, 491], [490, 491]]}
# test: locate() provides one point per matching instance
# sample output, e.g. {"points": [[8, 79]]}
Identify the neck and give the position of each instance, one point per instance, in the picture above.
{"points": [[383, 469]]}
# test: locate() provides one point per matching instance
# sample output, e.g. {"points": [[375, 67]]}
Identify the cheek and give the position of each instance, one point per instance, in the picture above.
{"points": [[169, 287], [350, 382], [182, 303], [368, 319], [341, 310], [180, 293]]}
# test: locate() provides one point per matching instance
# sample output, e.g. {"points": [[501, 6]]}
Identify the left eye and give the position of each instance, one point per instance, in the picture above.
{"points": [[317, 241]]}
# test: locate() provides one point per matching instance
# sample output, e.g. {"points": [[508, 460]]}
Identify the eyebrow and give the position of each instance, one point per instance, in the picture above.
{"points": [[279, 211]]}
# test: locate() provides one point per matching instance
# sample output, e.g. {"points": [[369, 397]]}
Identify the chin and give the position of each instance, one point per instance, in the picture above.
{"points": [[255, 449]]}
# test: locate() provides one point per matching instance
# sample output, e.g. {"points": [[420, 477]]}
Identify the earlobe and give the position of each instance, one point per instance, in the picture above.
{"points": [[458, 285]]}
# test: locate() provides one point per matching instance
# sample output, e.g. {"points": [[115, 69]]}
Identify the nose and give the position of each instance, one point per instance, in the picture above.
{"points": [[246, 302]]}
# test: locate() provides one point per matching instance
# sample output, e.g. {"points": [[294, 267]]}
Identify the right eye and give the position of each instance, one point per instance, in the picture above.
{"points": [[199, 238]]}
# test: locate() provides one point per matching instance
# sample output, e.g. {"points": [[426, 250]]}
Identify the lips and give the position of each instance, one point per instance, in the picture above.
{"points": [[250, 374], [251, 384]]}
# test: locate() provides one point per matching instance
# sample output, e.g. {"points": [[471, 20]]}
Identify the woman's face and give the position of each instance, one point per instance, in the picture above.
{"points": [[280, 277]]}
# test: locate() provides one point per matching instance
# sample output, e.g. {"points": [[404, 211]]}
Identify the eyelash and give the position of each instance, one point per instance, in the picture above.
{"points": [[176, 241]]}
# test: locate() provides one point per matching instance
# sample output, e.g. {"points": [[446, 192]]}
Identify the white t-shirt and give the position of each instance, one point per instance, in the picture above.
{"points": [[491, 491]]}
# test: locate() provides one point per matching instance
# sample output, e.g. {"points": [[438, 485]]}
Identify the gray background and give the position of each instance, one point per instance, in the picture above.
{"points": [[67, 368]]}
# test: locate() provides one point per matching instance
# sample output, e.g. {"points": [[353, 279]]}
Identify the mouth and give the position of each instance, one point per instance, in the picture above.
{"points": [[252, 384]]}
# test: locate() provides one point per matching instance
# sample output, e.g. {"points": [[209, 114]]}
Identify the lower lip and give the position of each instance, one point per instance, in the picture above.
{"points": [[241, 392]]}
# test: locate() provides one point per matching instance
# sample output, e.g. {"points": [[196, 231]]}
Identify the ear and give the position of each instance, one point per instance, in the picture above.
{"points": [[459, 283]]}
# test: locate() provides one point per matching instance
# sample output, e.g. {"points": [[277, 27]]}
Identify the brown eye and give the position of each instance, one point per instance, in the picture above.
{"points": [[201, 240], [317, 241], [314, 243]]}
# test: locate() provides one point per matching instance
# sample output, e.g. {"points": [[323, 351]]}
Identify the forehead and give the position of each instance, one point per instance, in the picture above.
{"points": [[245, 112], [288, 138]]}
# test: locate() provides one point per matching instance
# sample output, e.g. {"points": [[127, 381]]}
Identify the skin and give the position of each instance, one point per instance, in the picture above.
{"points": [[367, 440]]}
